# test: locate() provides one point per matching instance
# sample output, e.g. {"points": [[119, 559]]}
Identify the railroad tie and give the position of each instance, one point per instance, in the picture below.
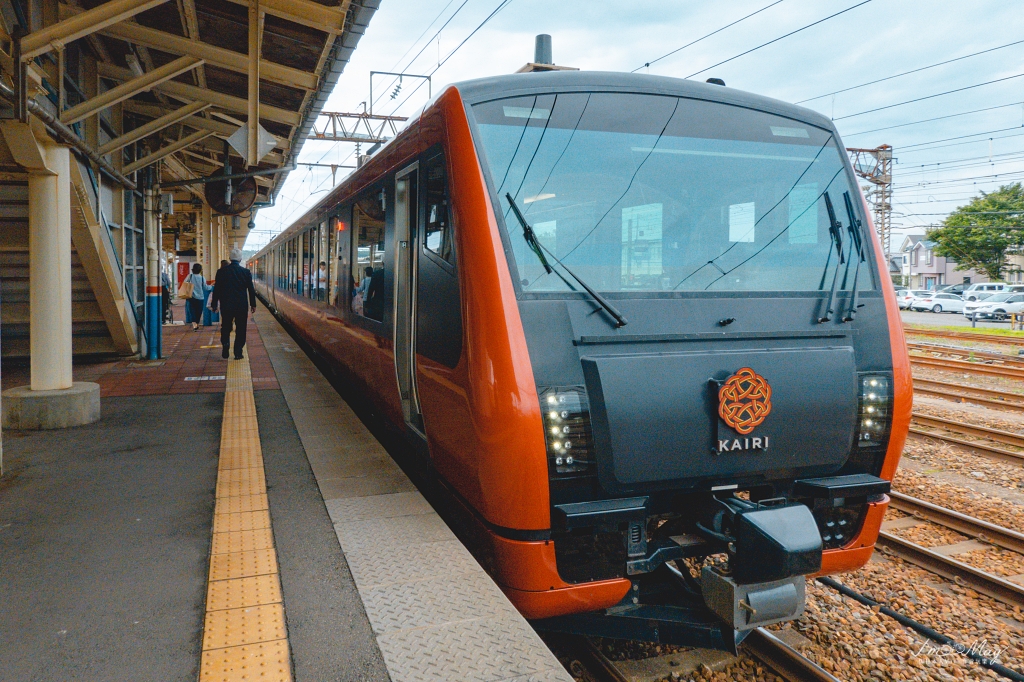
{"points": [[244, 635]]}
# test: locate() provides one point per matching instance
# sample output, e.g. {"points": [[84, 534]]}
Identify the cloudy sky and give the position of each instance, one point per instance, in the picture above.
{"points": [[976, 143]]}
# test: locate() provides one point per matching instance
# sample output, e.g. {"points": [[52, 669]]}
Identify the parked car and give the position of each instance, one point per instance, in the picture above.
{"points": [[905, 297], [938, 302], [996, 307], [972, 292], [957, 289]]}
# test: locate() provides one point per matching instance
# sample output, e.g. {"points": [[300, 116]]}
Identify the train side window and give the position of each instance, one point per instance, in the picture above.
{"points": [[370, 296], [438, 301], [438, 237]]}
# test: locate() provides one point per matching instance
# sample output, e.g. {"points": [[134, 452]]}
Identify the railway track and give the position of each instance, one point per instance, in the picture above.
{"points": [[942, 560], [967, 366], [761, 644], [970, 353], [959, 393], [980, 448], [1017, 342]]}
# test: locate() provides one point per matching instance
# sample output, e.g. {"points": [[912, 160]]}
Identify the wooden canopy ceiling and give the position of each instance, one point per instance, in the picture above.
{"points": [[188, 72]]}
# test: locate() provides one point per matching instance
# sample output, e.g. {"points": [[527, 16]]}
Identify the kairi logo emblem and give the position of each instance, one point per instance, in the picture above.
{"points": [[744, 400]]}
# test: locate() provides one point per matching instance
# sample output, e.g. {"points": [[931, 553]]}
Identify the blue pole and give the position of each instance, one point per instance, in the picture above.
{"points": [[154, 323], [154, 299]]}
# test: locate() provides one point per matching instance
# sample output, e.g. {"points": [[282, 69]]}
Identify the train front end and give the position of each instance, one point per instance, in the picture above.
{"points": [[719, 365]]}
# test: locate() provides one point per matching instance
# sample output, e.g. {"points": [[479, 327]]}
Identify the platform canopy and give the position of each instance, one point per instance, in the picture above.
{"points": [[165, 83]]}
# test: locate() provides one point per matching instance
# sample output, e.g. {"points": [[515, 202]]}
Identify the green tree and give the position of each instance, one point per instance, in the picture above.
{"points": [[971, 234]]}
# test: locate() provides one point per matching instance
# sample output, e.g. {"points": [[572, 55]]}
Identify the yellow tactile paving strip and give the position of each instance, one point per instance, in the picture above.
{"points": [[244, 635]]}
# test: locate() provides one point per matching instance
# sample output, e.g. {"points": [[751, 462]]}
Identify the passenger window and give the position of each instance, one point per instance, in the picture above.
{"points": [[439, 237], [369, 295]]}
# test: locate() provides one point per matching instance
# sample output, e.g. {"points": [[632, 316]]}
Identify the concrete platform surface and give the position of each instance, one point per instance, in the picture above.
{"points": [[104, 534], [115, 566], [436, 614]]}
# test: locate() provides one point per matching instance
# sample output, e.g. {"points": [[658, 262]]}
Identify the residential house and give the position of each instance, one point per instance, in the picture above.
{"points": [[924, 269]]}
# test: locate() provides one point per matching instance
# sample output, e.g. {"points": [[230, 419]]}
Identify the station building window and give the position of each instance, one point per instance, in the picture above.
{"points": [[371, 296]]}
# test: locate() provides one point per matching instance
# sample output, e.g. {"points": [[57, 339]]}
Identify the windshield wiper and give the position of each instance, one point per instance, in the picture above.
{"points": [[539, 249], [835, 228], [855, 236]]}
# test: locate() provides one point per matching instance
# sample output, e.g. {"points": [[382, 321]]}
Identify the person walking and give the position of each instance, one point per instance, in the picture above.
{"points": [[197, 297], [234, 293]]}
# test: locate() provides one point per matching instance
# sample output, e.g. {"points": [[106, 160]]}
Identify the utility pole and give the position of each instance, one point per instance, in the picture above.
{"points": [[875, 166]]}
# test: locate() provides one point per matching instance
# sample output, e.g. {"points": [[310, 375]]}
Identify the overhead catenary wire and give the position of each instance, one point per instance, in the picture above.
{"points": [[706, 35], [937, 118], [921, 99], [775, 40], [427, 44], [959, 144], [904, 148], [501, 5], [906, 73]]}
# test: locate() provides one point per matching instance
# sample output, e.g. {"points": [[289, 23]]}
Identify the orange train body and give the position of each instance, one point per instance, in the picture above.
{"points": [[477, 415]]}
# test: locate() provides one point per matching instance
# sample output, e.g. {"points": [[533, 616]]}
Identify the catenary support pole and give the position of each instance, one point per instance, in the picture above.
{"points": [[154, 303], [49, 264]]}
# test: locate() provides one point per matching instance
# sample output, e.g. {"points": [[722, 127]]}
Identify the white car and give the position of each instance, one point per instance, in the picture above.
{"points": [[974, 291], [996, 307], [907, 296], [938, 302]]}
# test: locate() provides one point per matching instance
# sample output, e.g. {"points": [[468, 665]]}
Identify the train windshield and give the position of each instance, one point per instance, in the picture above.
{"points": [[653, 193]]}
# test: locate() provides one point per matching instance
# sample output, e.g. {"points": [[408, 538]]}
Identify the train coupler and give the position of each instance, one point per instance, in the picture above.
{"points": [[745, 607]]}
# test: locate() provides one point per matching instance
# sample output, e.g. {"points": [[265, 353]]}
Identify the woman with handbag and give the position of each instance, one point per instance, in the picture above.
{"points": [[194, 289]]}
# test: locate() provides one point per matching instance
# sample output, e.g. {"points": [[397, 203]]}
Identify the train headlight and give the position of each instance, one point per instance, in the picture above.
{"points": [[875, 410], [566, 416]]}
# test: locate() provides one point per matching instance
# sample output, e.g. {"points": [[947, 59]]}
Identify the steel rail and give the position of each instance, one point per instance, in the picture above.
{"points": [[1010, 360], [783, 659], [977, 448], [959, 572], [973, 367], [985, 396], [962, 523], [760, 644], [997, 435], [969, 336], [598, 666]]}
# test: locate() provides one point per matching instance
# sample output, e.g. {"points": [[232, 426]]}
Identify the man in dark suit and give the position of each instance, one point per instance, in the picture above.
{"points": [[229, 291]]}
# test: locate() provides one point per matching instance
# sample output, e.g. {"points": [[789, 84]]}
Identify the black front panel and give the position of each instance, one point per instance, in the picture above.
{"points": [[656, 419], [650, 396]]}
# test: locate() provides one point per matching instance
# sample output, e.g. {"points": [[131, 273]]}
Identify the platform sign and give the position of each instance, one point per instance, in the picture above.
{"points": [[184, 267]]}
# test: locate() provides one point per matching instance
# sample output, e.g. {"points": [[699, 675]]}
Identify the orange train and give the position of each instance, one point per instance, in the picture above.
{"points": [[638, 328]]}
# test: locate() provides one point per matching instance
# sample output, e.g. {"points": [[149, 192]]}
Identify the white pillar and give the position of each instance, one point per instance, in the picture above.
{"points": [[49, 249]]}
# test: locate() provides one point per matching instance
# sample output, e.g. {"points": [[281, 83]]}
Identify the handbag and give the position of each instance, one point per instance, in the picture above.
{"points": [[185, 290]]}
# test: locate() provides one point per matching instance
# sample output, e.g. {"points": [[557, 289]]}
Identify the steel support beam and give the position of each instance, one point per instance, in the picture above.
{"points": [[129, 88], [306, 12], [218, 99], [165, 151], [153, 126], [82, 24], [190, 23], [215, 56], [253, 112]]}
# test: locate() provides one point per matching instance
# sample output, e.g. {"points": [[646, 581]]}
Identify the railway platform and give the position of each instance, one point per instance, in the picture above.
{"points": [[229, 520]]}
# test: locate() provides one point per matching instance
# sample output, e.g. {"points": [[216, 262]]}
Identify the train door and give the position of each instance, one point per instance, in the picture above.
{"points": [[406, 256]]}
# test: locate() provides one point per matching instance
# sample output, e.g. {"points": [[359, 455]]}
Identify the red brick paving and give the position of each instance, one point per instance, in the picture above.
{"points": [[186, 354]]}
